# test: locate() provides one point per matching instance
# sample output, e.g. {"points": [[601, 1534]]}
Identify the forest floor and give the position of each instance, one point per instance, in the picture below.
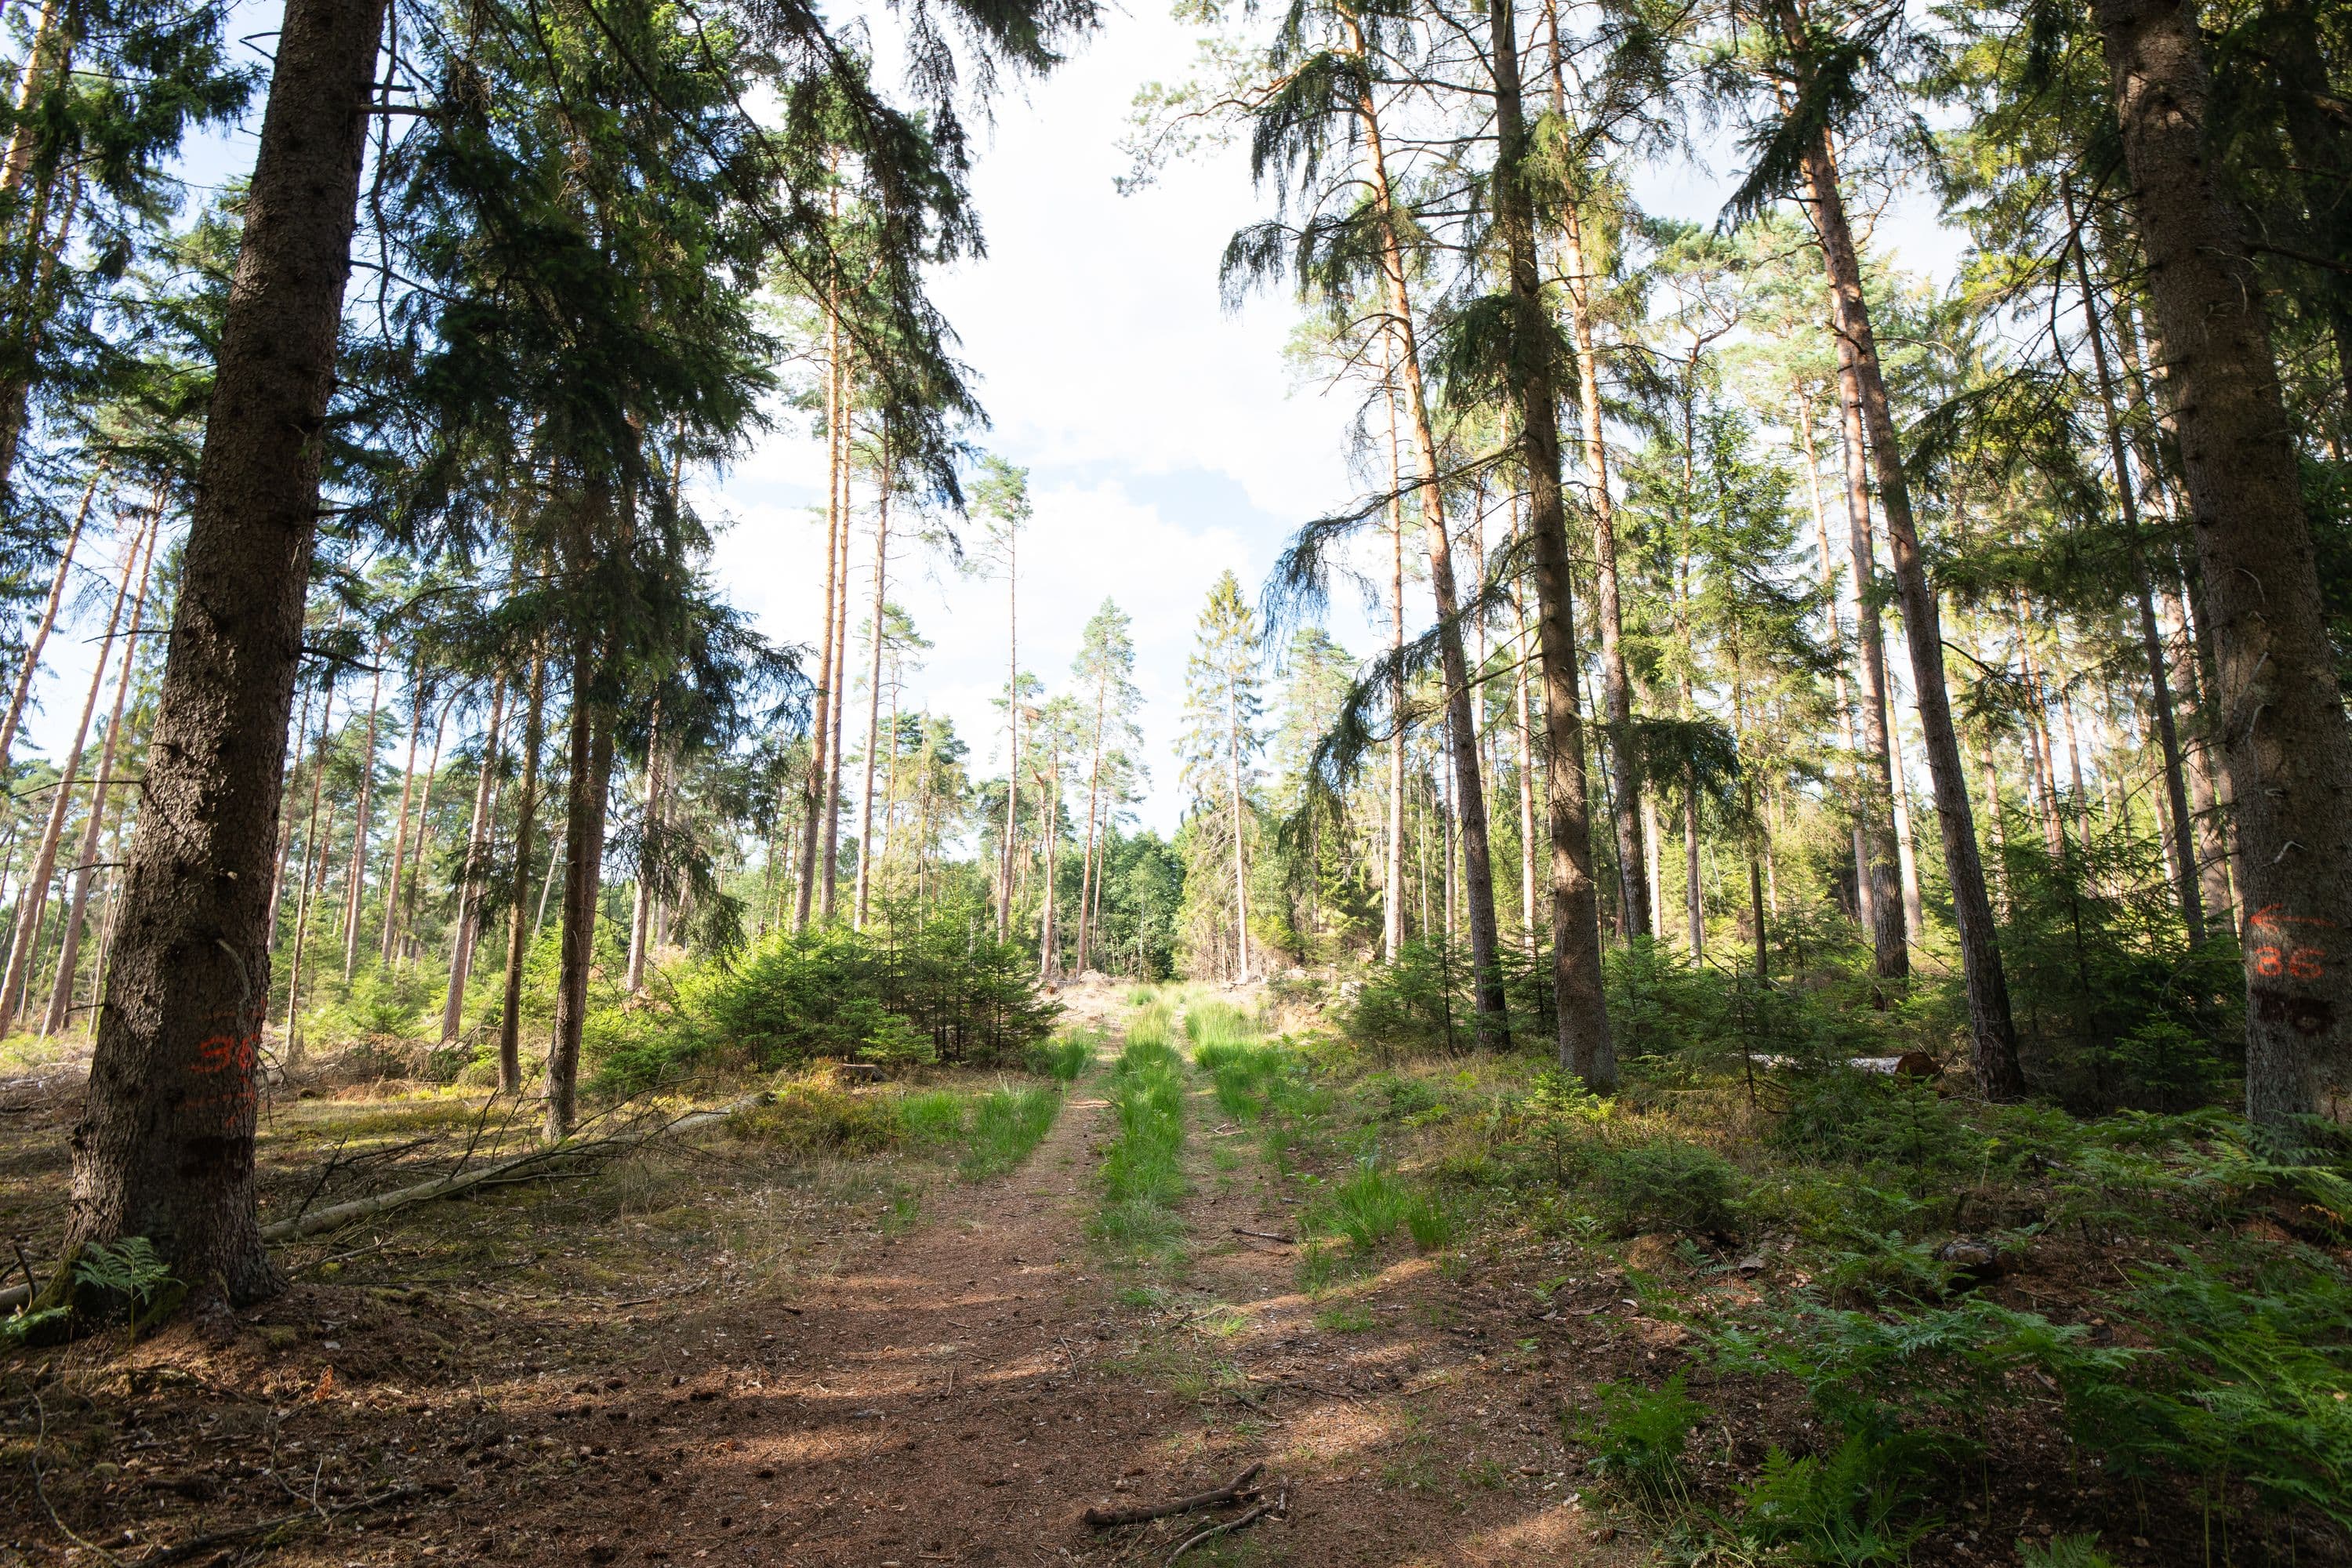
{"points": [[714, 1351]]}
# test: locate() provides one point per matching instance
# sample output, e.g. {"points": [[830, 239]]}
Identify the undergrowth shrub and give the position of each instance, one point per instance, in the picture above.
{"points": [[1854, 1506], [895, 993], [1836, 1114], [1639, 1437], [814, 1116], [1665, 1184]]}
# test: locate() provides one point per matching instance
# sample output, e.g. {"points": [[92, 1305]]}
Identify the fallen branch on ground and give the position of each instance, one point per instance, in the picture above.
{"points": [[1231, 1492], [1241, 1521], [194, 1545], [1266, 1235], [537, 1163]]}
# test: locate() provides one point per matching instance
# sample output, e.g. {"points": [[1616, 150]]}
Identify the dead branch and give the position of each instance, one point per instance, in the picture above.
{"points": [[1231, 1492], [1241, 1521], [1266, 1235], [555, 1159], [195, 1544]]}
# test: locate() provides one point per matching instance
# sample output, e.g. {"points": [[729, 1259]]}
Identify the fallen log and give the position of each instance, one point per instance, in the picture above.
{"points": [[502, 1172], [1231, 1492]]}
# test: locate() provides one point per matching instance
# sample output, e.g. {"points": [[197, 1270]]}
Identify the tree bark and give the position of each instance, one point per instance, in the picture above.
{"points": [[812, 795], [470, 872], [1392, 913], [840, 635], [165, 1148], [874, 695], [1585, 1045], [641, 918], [584, 831], [1241, 845], [519, 925], [2281, 709]]}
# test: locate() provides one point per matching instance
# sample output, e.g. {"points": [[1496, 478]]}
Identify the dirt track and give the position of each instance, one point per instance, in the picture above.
{"points": [[963, 1394], [960, 1391]]}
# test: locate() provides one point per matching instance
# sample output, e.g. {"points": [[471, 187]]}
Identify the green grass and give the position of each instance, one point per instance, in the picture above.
{"points": [[933, 1116], [1143, 1173], [1006, 1124], [1067, 1056], [986, 1134]]}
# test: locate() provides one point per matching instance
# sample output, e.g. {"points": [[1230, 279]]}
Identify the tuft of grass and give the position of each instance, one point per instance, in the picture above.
{"points": [[1345, 1319], [933, 1116], [1143, 1173], [1067, 1056], [1430, 1222], [1006, 1124], [1367, 1208]]}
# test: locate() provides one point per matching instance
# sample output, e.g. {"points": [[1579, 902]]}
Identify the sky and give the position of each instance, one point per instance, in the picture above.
{"points": [[1164, 439], [1167, 440]]}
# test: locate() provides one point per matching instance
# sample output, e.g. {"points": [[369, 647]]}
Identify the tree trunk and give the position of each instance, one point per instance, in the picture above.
{"points": [[1995, 820], [805, 891], [312, 857], [1993, 1034], [1616, 687], [584, 831], [406, 915], [417, 702], [872, 696], [1089, 873], [1585, 1046], [1393, 897], [34, 904], [1048, 966], [1012, 726], [48, 621], [1241, 847], [2281, 708], [840, 635], [470, 873], [1829, 574], [85, 862], [1906, 853], [357, 876], [1462, 735], [641, 918], [2168, 732], [1875, 809], [165, 1148], [1523, 687], [519, 928]]}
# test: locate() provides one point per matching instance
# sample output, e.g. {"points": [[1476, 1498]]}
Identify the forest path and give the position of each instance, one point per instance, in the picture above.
{"points": [[962, 1393]]}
